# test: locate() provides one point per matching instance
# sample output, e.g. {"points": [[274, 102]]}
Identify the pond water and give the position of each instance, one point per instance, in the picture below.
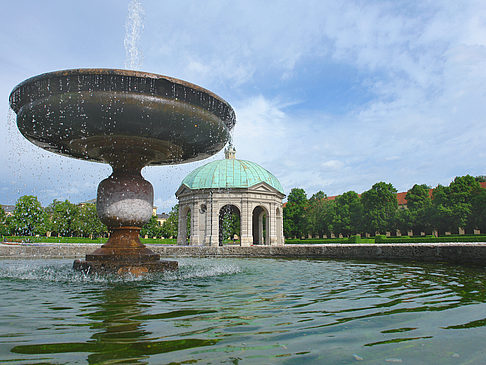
{"points": [[244, 311]]}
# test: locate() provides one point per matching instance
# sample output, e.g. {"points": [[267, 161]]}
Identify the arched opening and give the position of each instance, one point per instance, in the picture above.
{"points": [[260, 226], [229, 225]]}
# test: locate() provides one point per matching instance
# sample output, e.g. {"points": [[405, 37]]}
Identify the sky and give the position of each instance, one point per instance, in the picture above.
{"points": [[329, 95]]}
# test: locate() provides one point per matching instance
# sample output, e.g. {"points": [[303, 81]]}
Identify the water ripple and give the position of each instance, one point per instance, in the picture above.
{"points": [[251, 310]]}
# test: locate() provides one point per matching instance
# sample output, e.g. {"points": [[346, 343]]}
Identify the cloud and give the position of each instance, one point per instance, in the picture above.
{"points": [[412, 110]]}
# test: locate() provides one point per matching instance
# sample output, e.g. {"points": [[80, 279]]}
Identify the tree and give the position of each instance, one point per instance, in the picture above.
{"points": [[418, 212], [294, 214], [64, 218], [29, 218], [404, 220], [170, 226], [230, 224], [478, 210], [348, 214], [480, 178], [152, 228], [452, 205], [3, 222], [89, 224], [316, 214], [441, 213], [380, 208]]}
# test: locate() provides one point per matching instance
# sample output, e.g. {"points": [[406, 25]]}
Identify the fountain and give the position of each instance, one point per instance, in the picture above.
{"points": [[129, 120]]}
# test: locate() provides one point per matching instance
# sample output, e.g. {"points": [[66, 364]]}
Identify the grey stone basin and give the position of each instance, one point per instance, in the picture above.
{"points": [[111, 116]]}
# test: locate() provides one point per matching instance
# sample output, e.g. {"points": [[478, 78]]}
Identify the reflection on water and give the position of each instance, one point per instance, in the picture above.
{"points": [[118, 333], [244, 311]]}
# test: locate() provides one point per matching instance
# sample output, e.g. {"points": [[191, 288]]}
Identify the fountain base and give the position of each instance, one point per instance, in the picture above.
{"points": [[123, 253], [120, 268]]}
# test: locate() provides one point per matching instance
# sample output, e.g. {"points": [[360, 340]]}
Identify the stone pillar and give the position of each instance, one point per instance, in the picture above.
{"points": [[272, 218], [182, 227], [246, 235], [214, 234], [195, 233], [208, 220], [202, 214], [279, 226], [261, 239]]}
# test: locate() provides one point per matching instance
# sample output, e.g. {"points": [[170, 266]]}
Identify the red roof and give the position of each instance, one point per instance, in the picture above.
{"points": [[401, 198]]}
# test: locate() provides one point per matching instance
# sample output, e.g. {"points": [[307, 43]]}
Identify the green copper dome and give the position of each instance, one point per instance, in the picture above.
{"points": [[230, 173]]}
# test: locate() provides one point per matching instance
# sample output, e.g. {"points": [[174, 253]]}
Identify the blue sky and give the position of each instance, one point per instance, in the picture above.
{"points": [[330, 96]]}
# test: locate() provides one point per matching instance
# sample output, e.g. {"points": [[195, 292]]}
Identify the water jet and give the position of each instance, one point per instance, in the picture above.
{"points": [[130, 120]]}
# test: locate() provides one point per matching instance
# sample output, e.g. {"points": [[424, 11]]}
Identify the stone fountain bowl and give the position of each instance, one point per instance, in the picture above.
{"points": [[121, 117]]}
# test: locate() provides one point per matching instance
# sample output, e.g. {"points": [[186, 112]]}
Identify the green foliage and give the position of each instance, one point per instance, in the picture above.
{"points": [[358, 239], [69, 220], [88, 224], [462, 204], [159, 241], [151, 228], [3, 222], [320, 215], [171, 225], [418, 216], [294, 213], [230, 224], [29, 218], [452, 205], [432, 239], [315, 241], [348, 214], [478, 210], [480, 178], [65, 218], [380, 208], [30, 239]]}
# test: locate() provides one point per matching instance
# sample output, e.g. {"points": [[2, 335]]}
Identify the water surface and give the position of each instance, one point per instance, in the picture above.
{"points": [[244, 311]]}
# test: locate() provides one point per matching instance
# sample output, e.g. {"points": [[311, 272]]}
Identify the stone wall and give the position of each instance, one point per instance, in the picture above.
{"points": [[426, 252]]}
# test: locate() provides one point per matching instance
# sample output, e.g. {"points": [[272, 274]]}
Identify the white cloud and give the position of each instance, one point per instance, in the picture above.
{"points": [[423, 65]]}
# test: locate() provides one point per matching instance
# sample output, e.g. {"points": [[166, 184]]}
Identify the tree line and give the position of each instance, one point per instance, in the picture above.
{"points": [[63, 218], [460, 205]]}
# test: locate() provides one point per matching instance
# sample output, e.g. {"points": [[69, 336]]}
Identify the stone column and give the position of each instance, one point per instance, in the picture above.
{"points": [[272, 217], [261, 239], [214, 234], [195, 234], [208, 220], [246, 236], [182, 227]]}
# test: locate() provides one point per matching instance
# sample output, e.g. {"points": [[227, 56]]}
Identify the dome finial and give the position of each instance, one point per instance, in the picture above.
{"points": [[230, 151]]}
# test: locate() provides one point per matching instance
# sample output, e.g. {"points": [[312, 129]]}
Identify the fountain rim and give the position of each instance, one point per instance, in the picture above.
{"points": [[118, 72]]}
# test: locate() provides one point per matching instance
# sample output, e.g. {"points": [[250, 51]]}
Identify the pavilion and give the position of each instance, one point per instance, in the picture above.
{"points": [[230, 186]]}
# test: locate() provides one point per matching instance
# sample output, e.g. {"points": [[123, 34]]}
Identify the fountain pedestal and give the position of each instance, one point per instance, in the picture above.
{"points": [[124, 253], [124, 203]]}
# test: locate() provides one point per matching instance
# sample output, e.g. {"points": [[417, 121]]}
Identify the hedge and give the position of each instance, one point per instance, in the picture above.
{"points": [[33, 239], [400, 239], [431, 239]]}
